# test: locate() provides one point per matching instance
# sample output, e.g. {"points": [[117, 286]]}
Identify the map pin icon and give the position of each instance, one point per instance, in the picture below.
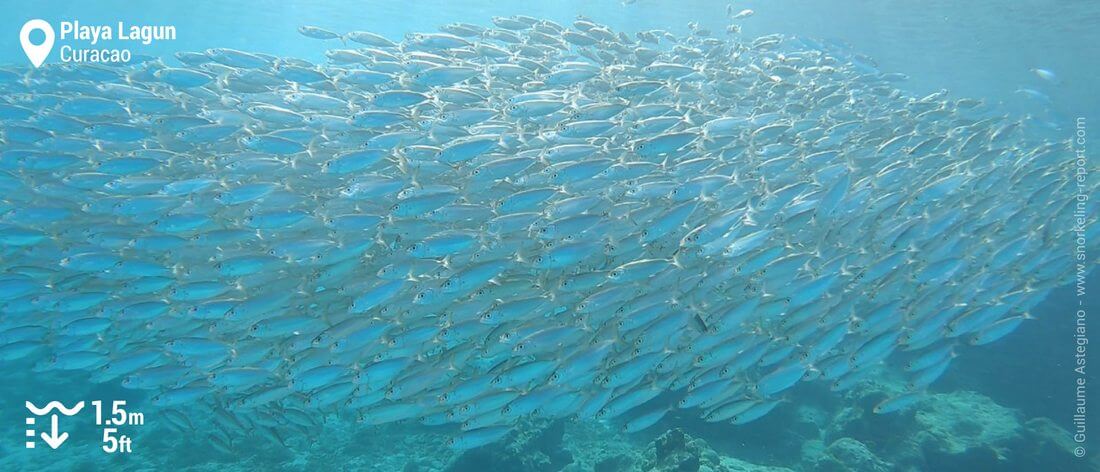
{"points": [[36, 53]]}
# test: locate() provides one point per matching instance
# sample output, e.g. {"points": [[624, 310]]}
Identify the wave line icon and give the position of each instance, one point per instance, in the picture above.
{"points": [[55, 405]]}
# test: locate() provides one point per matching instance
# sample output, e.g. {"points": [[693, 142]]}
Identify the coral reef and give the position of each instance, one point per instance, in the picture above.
{"points": [[965, 429], [815, 432], [534, 447], [848, 454], [1046, 446], [676, 451], [960, 430]]}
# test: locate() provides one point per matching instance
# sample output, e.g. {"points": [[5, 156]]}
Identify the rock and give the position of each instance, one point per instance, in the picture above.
{"points": [[675, 451], [961, 421], [855, 418], [598, 447], [669, 443], [1045, 445], [811, 451], [964, 431], [533, 447], [615, 463], [807, 422], [672, 452], [848, 454], [730, 464]]}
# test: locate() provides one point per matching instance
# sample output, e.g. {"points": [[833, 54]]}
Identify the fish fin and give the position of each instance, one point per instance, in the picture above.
{"points": [[700, 322]]}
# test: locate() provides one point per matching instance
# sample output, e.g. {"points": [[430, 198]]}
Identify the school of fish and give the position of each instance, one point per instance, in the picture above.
{"points": [[482, 224]]}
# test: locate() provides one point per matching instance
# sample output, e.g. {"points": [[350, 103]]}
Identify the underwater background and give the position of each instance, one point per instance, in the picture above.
{"points": [[1007, 405]]}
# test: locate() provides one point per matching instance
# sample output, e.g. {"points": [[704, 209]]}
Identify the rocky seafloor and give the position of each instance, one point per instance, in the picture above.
{"points": [[954, 431]]}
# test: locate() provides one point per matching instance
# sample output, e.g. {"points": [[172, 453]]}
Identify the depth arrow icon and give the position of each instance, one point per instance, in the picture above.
{"points": [[53, 439]]}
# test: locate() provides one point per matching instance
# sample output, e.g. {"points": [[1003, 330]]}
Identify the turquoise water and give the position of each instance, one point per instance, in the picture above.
{"points": [[976, 49], [1005, 405]]}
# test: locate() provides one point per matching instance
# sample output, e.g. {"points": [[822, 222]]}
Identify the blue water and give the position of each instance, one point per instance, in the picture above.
{"points": [[982, 49]]}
